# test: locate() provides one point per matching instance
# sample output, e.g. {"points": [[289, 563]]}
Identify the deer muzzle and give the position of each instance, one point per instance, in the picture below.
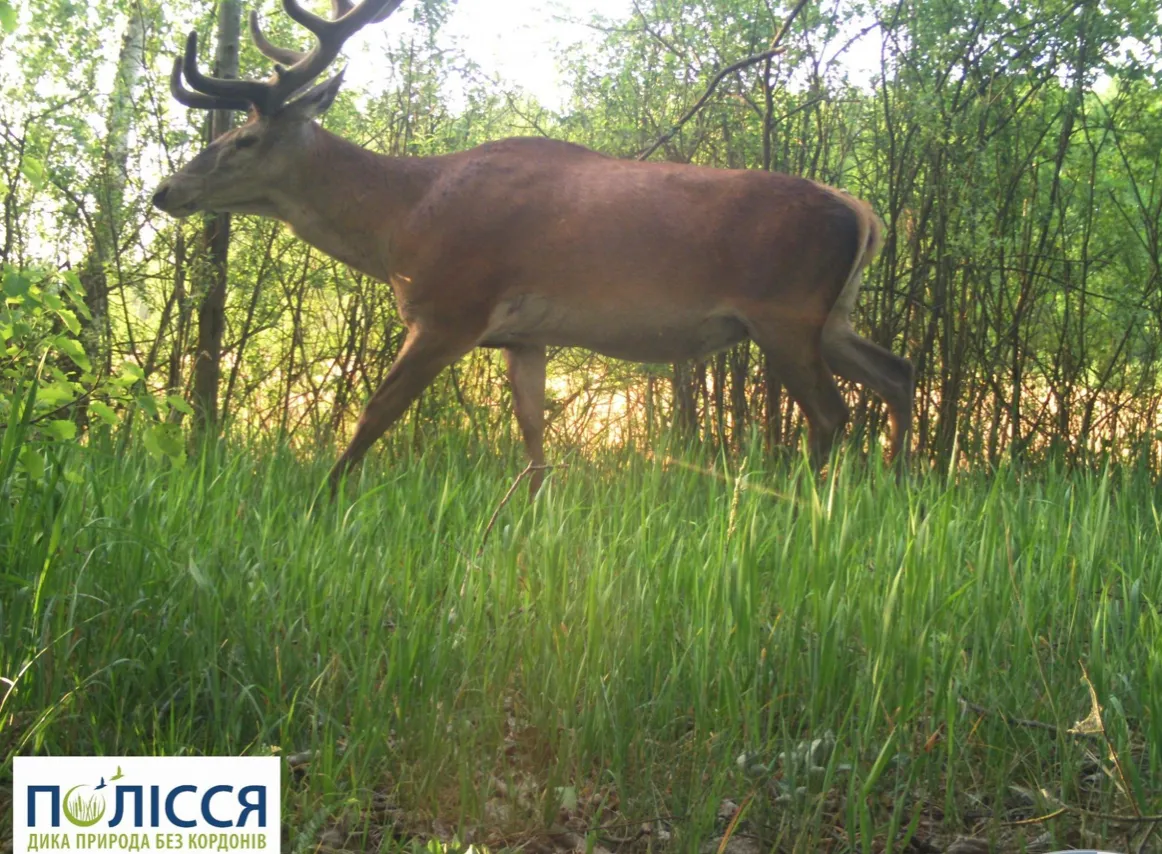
{"points": [[167, 201]]}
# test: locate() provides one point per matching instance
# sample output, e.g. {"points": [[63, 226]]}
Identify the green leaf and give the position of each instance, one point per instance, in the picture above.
{"points": [[61, 430], [70, 320], [16, 284], [132, 369], [104, 412], [52, 301], [149, 439], [179, 403], [165, 440], [73, 349], [171, 439], [33, 171], [147, 403], [32, 461], [75, 291], [7, 17], [56, 393]]}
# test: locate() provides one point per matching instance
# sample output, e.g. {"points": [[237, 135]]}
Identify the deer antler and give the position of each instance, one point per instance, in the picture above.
{"points": [[293, 70]]}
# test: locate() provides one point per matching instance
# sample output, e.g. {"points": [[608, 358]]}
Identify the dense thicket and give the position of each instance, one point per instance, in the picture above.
{"points": [[1011, 148]]}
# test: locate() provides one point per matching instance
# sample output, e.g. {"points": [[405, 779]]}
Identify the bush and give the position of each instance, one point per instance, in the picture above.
{"points": [[49, 391]]}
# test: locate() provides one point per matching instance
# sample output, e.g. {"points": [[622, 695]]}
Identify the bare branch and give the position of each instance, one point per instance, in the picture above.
{"points": [[773, 51]]}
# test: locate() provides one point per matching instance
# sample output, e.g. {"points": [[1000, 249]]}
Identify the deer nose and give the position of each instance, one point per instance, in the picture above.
{"points": [[159, 196]]}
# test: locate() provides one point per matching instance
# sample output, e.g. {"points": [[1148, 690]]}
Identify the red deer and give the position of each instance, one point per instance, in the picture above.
{"points": [[526, 243]]}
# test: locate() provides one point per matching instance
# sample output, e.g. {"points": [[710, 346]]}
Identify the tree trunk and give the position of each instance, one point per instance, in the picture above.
{"points": [[110, 194], [684, 389], [212, 311]]}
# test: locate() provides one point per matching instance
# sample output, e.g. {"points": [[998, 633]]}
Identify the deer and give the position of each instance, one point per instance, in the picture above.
{"points": [[528, 243]]}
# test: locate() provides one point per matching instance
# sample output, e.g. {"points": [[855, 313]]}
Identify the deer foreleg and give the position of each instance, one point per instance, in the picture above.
{"points": [[424, 354]]}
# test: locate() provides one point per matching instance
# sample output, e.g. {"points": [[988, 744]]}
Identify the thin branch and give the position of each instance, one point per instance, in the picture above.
{"points": [[46, 415], [771, 52], [529, 469], [533, 123], [659, 38]]}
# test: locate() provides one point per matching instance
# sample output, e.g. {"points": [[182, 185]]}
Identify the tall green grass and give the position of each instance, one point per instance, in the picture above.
{"points": [[661, 633]]}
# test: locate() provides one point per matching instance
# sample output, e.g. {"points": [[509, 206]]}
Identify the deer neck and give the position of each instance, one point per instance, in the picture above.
{"points": [[349, 202]]}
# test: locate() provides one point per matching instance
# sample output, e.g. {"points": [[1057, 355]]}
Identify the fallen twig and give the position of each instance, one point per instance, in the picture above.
{"points": [[1022, 722], [1040, 819], [1100, 816]]}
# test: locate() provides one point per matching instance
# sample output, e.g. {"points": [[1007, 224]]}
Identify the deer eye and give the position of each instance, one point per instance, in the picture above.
{"points": [[245, 141]]}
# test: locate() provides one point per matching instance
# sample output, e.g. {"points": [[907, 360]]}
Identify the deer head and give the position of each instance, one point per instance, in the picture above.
{"points": [[239, 171]]}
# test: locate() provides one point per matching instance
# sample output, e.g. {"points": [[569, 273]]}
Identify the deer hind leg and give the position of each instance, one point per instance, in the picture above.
{"points": [[888, 375], [526, 374], [424, 354], [795, 351]]}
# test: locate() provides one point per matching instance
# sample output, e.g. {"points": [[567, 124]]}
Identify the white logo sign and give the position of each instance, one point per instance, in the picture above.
{"points": [[117, 804]]}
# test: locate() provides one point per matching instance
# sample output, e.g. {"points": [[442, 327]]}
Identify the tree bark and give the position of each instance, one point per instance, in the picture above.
{"points": [[212, 310], [109, 190]]}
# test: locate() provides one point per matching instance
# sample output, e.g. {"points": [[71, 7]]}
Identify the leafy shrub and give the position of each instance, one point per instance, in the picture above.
{"points": [[49, 391]]}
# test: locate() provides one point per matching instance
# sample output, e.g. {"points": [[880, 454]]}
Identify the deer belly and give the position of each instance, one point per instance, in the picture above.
{"points": [[659, 334]]}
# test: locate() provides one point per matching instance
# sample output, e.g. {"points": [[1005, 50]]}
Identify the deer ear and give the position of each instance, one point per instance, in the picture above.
{"points": [[315, 101]]}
